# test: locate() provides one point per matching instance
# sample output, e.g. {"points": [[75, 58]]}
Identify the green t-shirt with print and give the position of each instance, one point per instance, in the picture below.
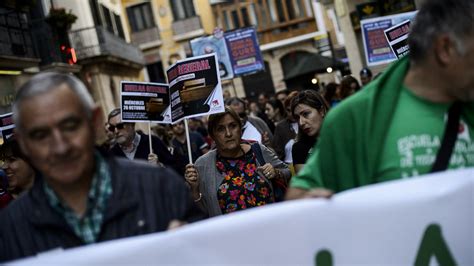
{"points": [[414, 137], [353, 137]]}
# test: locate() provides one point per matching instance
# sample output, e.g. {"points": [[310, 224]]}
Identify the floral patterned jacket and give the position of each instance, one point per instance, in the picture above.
{"points": [[210, 178]]}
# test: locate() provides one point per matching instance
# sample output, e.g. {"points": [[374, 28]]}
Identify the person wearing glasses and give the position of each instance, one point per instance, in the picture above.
{"points": [[135, 145]]}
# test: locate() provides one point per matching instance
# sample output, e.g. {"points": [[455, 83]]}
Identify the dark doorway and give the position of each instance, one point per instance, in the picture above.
{"points": [[257, 83]]}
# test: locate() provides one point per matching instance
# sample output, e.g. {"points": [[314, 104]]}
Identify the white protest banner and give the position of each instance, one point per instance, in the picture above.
{"points": [[195, 87], [145, 102], [397, 37], [422, 221]]}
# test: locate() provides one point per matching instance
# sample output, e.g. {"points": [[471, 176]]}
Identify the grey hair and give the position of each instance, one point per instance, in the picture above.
{"points": [[113, 113], [452, 17], [46, 82]]}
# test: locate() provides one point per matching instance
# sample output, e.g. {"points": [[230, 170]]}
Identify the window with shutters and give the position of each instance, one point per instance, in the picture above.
{"points": [[140, 17], [182, 9]]}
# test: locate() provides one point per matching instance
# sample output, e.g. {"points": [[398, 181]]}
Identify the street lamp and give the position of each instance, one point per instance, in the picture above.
{"points": [[329, 69]]}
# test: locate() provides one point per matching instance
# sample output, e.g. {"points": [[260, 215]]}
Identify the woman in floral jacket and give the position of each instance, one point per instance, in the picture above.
{"points": [[231, 177]]}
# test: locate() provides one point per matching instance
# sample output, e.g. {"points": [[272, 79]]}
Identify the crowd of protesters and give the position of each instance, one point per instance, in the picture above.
{"points": [[62, 190], [240, 159]]}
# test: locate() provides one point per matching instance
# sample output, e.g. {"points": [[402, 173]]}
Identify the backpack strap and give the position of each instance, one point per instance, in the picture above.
{"points": [[258, 153], [449, 139]]}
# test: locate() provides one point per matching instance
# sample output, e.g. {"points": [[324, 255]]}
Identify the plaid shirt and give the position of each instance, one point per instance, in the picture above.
{"points": [[87, 227]]}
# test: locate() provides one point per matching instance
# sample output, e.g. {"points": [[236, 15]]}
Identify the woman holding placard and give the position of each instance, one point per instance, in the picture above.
{"points": [[236, 175]]}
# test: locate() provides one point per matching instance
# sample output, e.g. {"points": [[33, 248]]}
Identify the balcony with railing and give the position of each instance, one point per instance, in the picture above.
{"points": [[275, 20], [187, 28], [96, 42], [16, 46], [147, 37]]}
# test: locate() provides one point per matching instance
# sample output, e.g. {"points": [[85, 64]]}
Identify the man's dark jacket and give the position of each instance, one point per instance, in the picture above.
{"points": [[144, 200], [143, 149]]}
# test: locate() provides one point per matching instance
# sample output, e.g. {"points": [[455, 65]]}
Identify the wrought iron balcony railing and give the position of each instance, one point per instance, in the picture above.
{"points": [[97, 41]]}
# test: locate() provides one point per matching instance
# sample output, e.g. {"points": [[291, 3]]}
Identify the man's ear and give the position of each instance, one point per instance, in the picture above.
{"points": [[444, 49]]}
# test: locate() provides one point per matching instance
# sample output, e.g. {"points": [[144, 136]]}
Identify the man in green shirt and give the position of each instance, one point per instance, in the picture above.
{"points": [[393, 128]]}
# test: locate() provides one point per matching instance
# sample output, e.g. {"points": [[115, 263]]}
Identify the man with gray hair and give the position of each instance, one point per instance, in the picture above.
{"points": [[135, 145], [416, 118], [81, 196]]}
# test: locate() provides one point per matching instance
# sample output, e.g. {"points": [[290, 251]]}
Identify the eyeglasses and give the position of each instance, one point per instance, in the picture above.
{"points": [[119, 126]]}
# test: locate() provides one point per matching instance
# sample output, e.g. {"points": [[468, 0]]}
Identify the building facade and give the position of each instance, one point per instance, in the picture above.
{"points": [[350, 12], [289, 31], [17, 53], [28, 45], [163, 28], [101, 45]]}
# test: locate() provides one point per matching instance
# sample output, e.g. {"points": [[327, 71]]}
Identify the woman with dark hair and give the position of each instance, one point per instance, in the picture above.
{"points": [[330, 94], [349, 85], [236, 175], [275, 111], [19, 173], [309, 109]]}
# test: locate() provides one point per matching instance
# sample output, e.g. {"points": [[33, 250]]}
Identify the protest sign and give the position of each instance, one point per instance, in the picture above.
{"points": [[244, 51], [145, 102], [210, 44], [6, 127], [421, 221], [377, 49], [195, 87], [397, 38]]}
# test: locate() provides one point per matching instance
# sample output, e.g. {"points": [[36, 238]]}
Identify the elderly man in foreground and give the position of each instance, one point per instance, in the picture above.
{"points": [[81, 196]]}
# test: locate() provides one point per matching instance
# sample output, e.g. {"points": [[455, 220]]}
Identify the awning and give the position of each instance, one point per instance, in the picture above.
{"points": [[313, 63]]}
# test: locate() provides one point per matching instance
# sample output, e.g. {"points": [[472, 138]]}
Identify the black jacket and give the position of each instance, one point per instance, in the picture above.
{"points": [[143, 149], [144, 200]]}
